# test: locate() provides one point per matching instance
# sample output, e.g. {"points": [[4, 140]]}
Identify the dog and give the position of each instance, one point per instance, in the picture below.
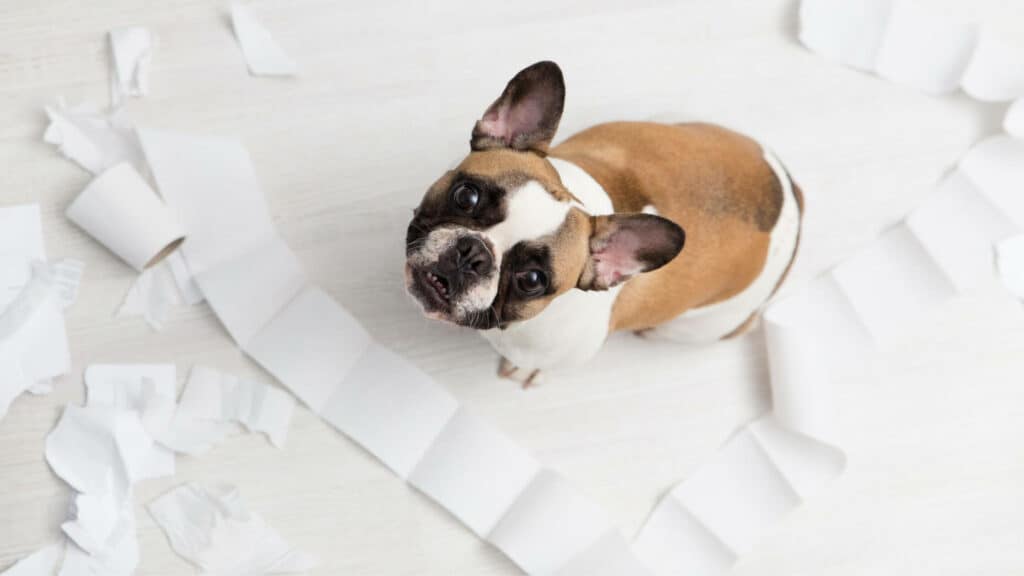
{"points": [[683, 231]]}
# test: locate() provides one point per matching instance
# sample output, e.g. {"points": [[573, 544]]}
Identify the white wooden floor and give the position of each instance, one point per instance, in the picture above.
{"points": [[386, 99]]}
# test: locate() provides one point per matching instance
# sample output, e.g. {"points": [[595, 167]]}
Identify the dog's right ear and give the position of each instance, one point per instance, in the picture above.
{"points": [[526, 115]]}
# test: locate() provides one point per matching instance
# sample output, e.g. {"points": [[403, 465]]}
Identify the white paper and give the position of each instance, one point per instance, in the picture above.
{"points": [[612, 555], [1010, 261], [160, 289], [33, 295], [850, 32], [131, 51], [210, 182], [957, 225], [101, 451], [214, 396], [475, 472], [97, 449], [550, 524], [996, 71], [42, 562], [933, 45], [1014, 122], [103, 529], [121, 211], [94, 140], [893, 283], [149, 390], [262, 53], [152, 296], [927, 44], [388, 406], [212, 528], [996, 166], [212, 406], [673, 541], [228, 287], [332, 343]]}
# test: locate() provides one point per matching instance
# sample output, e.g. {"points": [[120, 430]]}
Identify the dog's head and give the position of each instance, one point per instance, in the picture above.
{"points": [[495, 240]]}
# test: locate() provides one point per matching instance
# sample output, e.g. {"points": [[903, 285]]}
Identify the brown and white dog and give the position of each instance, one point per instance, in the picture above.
{"points": [[547, 251]]}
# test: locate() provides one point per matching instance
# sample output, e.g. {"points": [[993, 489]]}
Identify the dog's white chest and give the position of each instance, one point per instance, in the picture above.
{"points": [[566, 334], [574, 326]]}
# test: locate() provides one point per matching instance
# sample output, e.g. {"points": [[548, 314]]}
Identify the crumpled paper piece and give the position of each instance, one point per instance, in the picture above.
{"points": [[262, 53], [212, 528], [1010, 263], [128, 432], [42, 562], [131, 52], [33, 344], [93, 139]]}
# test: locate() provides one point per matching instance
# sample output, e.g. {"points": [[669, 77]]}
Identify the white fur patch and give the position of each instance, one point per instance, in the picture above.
{"points": [[530, 213], [574, 326], [591, 195]]}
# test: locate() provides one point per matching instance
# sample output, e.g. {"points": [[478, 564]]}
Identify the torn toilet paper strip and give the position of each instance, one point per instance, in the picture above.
{"points": [[417, 429], [933, 45], [1014, 121], [212, 406], [42, 562], [131, 51], [213, 529], [1010, 261], [262, 53], [33, 296], [94, 140]]}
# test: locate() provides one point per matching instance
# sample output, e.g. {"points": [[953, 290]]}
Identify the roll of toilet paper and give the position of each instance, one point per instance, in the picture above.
{"points": [[122, 212]]}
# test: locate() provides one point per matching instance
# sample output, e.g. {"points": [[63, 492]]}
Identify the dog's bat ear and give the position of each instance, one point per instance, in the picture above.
{"points": [[526, 115], [624, 245]]}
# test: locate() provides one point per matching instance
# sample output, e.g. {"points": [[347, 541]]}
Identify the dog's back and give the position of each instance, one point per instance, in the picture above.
{"points": [[738, 206]]}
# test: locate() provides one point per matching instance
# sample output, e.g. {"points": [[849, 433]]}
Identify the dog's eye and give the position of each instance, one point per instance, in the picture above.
{"points": [[465, 197], [531, 282]]}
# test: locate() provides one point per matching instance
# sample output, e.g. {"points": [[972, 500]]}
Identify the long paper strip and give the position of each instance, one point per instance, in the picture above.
{"points": [[933, 45], [819, 338], [33, 295]]}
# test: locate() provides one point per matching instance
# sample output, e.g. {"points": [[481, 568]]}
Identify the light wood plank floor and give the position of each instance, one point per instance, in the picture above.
{"points": [[387, 96]]}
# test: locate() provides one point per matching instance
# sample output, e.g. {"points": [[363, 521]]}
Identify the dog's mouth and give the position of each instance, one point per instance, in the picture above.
{"points": [[432, 289], [438, 283]]}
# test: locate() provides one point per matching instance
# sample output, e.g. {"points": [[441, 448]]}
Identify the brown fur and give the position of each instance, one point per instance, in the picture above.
{"points": [[711, 181]]}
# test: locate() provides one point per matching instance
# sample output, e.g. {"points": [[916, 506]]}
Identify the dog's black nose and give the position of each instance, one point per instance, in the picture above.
{"points": [[473, 255], [469, 256]]}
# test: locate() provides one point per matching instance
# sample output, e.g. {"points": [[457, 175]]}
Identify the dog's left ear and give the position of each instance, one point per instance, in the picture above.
{"points": [[624, 245], [526, 114]]}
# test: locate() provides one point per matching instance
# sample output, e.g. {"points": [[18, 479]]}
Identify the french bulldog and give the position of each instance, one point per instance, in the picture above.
{"points": [[681, 230]]}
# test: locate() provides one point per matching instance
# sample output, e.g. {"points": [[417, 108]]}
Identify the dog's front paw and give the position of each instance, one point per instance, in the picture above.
{"points": [[510, 371]]}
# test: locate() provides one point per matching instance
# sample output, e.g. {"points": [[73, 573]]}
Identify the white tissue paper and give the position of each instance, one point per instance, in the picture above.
{"points": [[212, 528], [127, 432], [94, 140], [131, 50], [33, 296], [101, 451], [933, 45], [42, 562], [1014, 122], [1010, 261], [262, 53], [212, 406]]}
